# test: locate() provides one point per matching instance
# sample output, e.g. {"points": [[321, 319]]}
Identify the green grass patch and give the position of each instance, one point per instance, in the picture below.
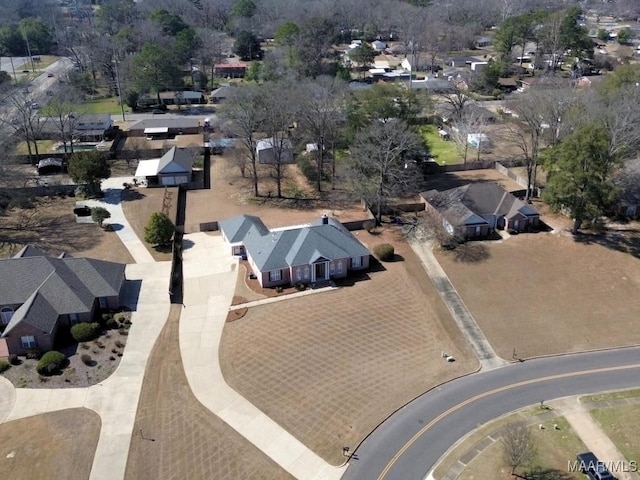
{"points": [[109, 105], [603, 397], [44, 146], [620, 425], [444, 151]]}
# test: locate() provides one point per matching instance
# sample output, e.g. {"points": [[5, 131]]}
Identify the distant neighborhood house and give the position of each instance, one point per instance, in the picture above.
{"points": [[268, 149], [48, 293], [475, 210], [230, 70], [317, 252], [166, 127]]}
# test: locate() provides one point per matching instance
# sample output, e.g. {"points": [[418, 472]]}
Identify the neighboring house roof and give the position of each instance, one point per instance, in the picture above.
{"points": [[279, 249], [268, 143], [183, 94], [173, 123], [224, 66], [47, 287], [222, 92], [469, 204], [174, 161]]}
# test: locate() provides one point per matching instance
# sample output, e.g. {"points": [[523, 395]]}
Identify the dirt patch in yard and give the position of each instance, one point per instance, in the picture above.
{"points": [[51, 226], [545, 294], [231, 194], [329, 367], [58, 445]]}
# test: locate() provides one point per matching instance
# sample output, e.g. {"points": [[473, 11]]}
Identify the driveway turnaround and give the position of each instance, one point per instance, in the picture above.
{"points": [[112, 188], [463, 318], [115, 399], [209, 282]]}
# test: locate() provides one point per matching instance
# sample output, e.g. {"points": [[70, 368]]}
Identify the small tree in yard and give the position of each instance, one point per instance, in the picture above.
{"points": [[518, 445], [99, 215], [159, 230], [88, 169]]}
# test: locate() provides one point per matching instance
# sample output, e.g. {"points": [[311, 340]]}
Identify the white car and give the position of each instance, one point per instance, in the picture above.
{"points": [[35, 106]]}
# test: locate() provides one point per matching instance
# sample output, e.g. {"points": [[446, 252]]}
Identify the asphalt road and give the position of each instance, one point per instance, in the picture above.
{"points": [[410, 442], [5, 64]]}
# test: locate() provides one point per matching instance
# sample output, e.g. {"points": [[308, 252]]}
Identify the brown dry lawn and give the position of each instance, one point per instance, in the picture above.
{"points": [[51, 226], [189, 441], [140, 203], [330, 367], [547, 294], [58, 445], [231, 194]]}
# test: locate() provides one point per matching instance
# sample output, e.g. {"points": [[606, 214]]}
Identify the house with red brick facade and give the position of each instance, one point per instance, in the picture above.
{"points": [[475, 210], [307, 254], [40, 294]]}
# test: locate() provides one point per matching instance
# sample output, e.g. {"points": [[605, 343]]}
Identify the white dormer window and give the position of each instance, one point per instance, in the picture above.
{"points": [[5, 315]]}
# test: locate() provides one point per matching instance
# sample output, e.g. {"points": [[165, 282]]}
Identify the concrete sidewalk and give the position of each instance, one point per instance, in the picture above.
{"points": [[115, 399], [595, 439], [463, 318], [112, 188], [209, 282]]}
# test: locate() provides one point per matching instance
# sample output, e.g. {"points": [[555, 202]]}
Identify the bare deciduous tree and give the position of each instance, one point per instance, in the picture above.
{"points": [[320, 111], [243, 112], [382, 162], [518, 445]]}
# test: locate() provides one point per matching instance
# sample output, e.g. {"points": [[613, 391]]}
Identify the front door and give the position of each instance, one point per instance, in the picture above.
{"points": [[320, 271]]}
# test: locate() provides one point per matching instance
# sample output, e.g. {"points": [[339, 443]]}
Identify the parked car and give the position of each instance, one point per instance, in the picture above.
{"points": [[593, 468], [82, 211], [157, 111], [35, 106], [50, 74]]}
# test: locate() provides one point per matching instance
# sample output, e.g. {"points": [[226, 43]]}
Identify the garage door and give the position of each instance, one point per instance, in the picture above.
{"points": [[168, 181]]}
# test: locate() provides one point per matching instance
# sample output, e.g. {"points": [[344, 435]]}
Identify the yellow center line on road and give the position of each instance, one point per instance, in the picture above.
{"points": [[421, 432]]}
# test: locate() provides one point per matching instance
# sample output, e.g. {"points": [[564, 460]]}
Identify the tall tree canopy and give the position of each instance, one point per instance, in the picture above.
{"points": [[154, 69], [580, 169]]}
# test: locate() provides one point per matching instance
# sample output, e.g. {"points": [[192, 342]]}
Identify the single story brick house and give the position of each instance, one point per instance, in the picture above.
{"points": [[307, 254], [40, 294], [164, 127], [476, 209]]}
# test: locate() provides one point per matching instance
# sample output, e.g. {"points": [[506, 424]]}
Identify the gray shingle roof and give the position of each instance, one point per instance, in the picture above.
{"points": [[176, 161], [273, 250], [172, 123], [47, 287], [237, 228], [467, 205]]}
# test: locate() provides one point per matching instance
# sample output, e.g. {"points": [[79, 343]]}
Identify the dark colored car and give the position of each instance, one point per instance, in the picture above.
{"points": [[593, 468], [82, 211], [157, 111]]}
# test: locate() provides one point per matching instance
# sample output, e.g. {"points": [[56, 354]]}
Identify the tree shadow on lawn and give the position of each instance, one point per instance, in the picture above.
{"points": [[625, 242], [132, 194], [471, 253], [540, 473]]}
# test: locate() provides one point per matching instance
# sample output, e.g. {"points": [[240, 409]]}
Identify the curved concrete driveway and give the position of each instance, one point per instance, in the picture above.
{"points": [[209, 282], [112, 188], [7, 398], [409, 444]]}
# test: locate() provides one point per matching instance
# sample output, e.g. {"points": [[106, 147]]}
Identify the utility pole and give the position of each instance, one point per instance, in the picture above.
{"points": [[13, 69], [115, 61], [26, 37]]}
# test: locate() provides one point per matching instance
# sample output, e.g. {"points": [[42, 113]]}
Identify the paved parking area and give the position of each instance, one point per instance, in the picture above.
{"points": [[330, 367]]}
